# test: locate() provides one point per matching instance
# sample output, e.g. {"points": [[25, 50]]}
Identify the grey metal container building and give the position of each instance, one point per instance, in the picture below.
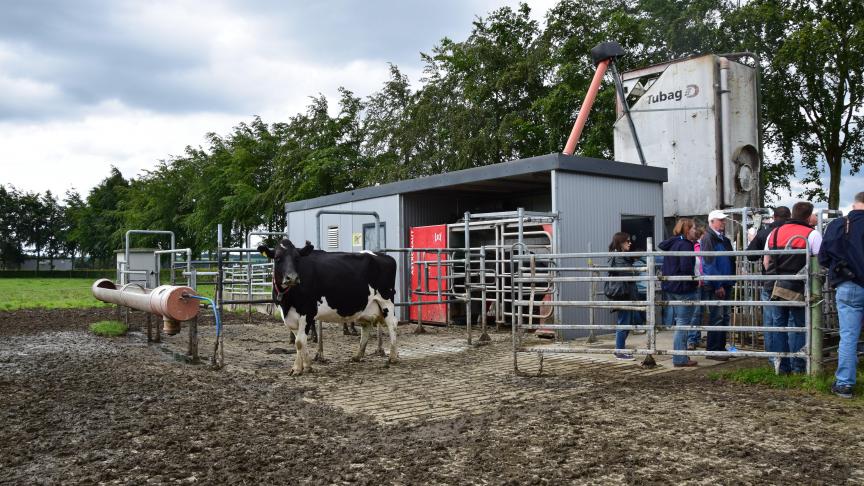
{"points": [[593, 199]]}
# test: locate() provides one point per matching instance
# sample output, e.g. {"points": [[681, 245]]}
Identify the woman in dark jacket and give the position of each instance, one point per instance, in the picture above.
{"points": [[621, 243], [683, 240]]}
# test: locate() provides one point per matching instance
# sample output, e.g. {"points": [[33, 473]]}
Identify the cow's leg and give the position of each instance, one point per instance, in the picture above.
{"points": [[346, 332], [364, 338], [380, 350], [392, 322], [301, 362], [293, 321], [310, 326]]}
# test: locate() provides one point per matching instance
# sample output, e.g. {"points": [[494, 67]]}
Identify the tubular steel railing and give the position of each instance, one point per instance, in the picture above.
{"points": [[522, 278]]}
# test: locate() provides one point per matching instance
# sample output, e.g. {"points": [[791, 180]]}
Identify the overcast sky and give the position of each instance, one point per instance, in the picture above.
{"points": [[89, 84]]}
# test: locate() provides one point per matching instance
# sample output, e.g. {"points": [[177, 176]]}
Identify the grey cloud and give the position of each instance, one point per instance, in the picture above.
{"points": [[91, 51], [341, 30], [81, 49]]}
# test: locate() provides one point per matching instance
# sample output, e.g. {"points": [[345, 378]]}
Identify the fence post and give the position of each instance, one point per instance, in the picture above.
{"points": [[815, 311], [468, 316]]}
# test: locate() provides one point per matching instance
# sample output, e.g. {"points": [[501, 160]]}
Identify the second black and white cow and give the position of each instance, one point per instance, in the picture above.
{"points": [[312, 285]]}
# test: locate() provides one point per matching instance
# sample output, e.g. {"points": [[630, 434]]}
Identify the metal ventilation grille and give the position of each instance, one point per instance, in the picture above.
{"points": [[333, 237]]}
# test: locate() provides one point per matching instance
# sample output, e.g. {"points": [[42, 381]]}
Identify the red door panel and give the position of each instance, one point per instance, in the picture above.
{"points": [[428, 237]]}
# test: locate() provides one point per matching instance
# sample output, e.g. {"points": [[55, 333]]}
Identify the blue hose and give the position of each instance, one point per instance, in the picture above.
{"points": [[215, 313]]}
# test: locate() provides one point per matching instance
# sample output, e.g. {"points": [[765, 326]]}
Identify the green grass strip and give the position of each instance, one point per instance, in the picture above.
{"points": [[765, 376], [108, 328], [47, 293]]}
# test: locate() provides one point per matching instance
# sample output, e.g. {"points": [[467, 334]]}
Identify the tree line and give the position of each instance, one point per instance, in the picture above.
{"points": [[510, 90]]}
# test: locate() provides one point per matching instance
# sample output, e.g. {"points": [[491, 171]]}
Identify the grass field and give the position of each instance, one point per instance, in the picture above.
{"points": [[46, 293], [53, 293]]}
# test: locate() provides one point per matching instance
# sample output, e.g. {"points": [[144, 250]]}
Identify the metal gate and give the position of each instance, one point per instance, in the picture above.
{"points": [[525, 275]]}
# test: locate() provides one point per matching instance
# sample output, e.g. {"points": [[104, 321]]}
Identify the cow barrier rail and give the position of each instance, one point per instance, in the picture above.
{"points": [[524, 266]]}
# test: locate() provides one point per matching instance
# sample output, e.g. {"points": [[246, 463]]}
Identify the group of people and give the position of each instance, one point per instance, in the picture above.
{"points": [[687, 237], [841, 251]]}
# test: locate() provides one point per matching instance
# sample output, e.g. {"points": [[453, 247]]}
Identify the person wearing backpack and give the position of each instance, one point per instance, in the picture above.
{"points": [[781, 215], [842, 253], [795, 233]]}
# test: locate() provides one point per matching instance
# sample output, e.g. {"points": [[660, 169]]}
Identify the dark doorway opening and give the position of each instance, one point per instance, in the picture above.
{"points": [[640, 229]]}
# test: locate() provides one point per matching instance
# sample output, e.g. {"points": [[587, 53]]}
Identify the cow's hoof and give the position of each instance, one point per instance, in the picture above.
{"points": [[380, 352], [354, 332], [392, 361], [356, 359], [346, 332], [294, 372]]}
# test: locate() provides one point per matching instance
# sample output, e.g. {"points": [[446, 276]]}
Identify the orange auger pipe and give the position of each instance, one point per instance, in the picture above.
{"points": [[570, 148], [166, 301]]}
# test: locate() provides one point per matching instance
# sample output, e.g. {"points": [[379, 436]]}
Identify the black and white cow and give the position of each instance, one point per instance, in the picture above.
{"points": [[312, 285]]}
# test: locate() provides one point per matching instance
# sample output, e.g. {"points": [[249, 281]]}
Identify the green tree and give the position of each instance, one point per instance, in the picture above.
{"points": [[72, 208], [99, 228], [812, 86], [11, 244]]}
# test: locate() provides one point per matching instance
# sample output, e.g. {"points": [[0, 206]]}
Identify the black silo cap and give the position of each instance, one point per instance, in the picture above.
{"points": [[605, 50]]}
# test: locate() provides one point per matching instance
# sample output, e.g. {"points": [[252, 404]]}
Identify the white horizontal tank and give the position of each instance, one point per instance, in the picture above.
{"points": [[698, 118]]}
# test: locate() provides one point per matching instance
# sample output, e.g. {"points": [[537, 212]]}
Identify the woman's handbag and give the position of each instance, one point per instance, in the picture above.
{"points": [[617, 290]]}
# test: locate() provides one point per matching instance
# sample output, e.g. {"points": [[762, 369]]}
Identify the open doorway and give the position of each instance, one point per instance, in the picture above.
{"points": [[640, 229]]}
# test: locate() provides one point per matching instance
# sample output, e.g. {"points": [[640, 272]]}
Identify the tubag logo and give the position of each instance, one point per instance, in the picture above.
{"points": [[690, 91]]}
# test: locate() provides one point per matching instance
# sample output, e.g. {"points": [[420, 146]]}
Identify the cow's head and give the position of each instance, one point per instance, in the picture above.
{"points": [[286, 260]]}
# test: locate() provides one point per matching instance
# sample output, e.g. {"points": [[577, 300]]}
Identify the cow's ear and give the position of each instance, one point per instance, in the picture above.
{"points": [[307, 249], [267, 252]]}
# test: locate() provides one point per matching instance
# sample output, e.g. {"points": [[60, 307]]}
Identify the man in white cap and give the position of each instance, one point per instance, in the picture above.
{"points": [[715, 239]]}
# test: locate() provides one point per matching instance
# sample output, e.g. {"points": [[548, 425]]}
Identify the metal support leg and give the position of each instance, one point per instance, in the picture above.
{"points": [[193, 340], [650, 313], [423, 273], [319, 356], [815, 310], [468, 316], [484, 336], [149, 327]]}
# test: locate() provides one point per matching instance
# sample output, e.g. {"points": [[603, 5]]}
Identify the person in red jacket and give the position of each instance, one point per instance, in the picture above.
{"points": [[796, 233]]}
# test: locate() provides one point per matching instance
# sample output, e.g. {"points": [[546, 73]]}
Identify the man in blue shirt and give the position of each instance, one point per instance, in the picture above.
{"points": [[715, 239], [842, 253]]}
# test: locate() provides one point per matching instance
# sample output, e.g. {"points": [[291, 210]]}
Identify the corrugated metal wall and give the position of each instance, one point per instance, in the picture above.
{"points": [[302, 226], [590, 209]]}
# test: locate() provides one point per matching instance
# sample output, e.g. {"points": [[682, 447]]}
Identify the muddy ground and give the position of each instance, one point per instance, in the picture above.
{"points": [[76, 408]]}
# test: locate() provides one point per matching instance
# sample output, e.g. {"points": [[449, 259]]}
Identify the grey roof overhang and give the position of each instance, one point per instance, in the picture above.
{"points": [[495, 172]]}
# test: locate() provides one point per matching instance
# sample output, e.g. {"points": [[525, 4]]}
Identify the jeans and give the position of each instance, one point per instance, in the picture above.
{"points": [[683, 315], [787, 342], [693, 337], [850, 311], [626, 318], [768, 320], [717, 316], [668, 318]]}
